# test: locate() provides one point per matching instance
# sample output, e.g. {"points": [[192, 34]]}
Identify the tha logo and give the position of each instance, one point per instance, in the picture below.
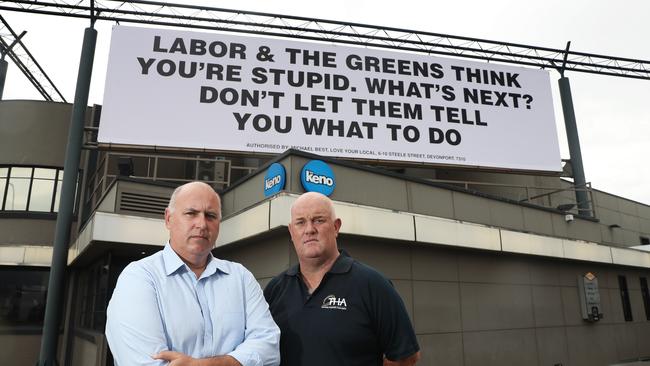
{"points": [[333, 302]]}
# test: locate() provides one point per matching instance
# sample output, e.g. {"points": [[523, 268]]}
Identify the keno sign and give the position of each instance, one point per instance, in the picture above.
{"points": [[215, 91], [317, 176], [275, 179]]}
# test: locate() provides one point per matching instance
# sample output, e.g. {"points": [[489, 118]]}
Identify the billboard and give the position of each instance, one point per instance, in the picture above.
{"points": [[171, 88]]}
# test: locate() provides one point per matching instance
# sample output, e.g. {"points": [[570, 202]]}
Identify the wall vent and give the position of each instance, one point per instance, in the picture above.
{"points": [[143, 203]]}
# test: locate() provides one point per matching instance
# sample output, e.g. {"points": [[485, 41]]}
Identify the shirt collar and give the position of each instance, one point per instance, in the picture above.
{"points": [[342, 265], [173, 263]]}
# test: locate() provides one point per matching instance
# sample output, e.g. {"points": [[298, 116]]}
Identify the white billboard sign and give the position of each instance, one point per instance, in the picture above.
{"points": [[171, 88]]}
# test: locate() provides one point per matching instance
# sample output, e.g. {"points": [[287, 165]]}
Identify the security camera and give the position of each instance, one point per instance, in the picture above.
{"points": [[568, 217]]}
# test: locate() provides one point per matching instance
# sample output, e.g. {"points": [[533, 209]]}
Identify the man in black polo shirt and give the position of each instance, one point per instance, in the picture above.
{"points": [[331, 309]]}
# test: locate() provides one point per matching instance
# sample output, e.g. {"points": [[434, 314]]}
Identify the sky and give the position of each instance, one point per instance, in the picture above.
{"points": [[611, 112]]}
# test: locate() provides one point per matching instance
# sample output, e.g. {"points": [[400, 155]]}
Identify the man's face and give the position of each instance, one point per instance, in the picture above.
{"points": [[194, 222], [313, 229]]}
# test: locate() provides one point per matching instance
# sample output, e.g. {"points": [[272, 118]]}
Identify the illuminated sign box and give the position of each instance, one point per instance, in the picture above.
{"points": [[170, 88]]}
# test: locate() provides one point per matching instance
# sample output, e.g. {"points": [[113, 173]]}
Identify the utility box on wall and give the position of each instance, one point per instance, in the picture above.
{"points": [[589, 297]]}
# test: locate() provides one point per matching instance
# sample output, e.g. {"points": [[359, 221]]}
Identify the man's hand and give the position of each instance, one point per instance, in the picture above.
{"points": [[175, 358], [181, 359], [409, 361]]}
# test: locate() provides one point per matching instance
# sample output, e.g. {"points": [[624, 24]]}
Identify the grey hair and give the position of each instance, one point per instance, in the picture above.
{"points": [[171, 206]]}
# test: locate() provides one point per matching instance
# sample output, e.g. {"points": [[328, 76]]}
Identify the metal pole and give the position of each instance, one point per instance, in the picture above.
{"points": [[3, 75], [579, 180], [53, 307], [4, 66]]}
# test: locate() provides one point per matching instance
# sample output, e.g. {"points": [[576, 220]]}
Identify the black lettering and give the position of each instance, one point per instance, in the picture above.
{"points": [[437, 111], [353, 62], [156, 45], [146, 64], [393, 131], [411, 133], [217, 49], [166, 67], [448, 93], [229, 96], [262, 123], [436, 135], [339, 127], [512, 80], [238, 49], [313, 125], [197, 47], [278, 124], [214, 70], [453, 137], [184, 72], [241, 120], [208, 94], [370, 127], [354, 130], [178, 46], [436, 71], [259, 75]]}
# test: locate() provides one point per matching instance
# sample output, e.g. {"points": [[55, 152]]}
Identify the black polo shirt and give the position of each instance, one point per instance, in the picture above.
{"points": [[354, 317]]}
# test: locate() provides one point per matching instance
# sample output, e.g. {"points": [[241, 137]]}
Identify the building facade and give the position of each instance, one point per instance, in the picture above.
{"points": [[489, 264]]}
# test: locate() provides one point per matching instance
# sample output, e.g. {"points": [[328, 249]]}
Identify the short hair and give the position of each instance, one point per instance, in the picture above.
{"points": [[171, 206], [321, 197]]}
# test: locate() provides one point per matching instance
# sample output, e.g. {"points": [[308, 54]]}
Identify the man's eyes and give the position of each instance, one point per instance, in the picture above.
{"points": [[209, 215], [316, 221]]}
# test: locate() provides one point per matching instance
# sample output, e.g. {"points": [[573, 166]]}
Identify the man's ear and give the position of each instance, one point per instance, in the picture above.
{"points": [[167, 217], [337, 225]]}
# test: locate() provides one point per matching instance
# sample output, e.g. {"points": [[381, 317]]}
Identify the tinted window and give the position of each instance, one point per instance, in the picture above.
{"points": [[22, 296]]}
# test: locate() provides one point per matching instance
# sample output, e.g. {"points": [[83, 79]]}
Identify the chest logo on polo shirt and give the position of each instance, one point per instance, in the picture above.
{"points": [[333, 302]]}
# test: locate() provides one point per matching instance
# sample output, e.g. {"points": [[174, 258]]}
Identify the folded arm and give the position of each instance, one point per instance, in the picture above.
{"points": [[134, 328], [261, 345], [180, 359]]}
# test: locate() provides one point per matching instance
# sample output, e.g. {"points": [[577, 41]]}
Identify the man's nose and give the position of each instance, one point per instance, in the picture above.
{"points": [[310, 227], [200, 221]]}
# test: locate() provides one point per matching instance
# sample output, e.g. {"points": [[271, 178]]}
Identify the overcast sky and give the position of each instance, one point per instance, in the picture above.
{"points": [[612, 112]]}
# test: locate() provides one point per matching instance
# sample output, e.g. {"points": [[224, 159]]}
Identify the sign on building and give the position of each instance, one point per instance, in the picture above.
{"points": [[589, 297], [171, 88], [317, 176], [274, 180]]}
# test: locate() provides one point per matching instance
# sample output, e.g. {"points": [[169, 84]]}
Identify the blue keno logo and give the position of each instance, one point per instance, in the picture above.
{"points": [[316, 176], [311, 177], [274, 180]]}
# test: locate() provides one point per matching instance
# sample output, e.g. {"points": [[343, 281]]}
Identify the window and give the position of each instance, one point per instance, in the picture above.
{"points": [[32, 189], [644, 240], [646, 296], [625, 298], [22, 297], [93, 295]]}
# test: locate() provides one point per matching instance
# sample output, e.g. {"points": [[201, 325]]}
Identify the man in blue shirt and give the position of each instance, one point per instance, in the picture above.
{"points": [[182, 306]]}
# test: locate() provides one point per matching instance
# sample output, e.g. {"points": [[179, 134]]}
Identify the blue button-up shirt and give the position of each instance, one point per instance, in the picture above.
{"points": [[158, 304]]}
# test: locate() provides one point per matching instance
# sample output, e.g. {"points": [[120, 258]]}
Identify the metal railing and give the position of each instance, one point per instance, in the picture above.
{"points": [[558, 198], [215, 171], [190, 16]]}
